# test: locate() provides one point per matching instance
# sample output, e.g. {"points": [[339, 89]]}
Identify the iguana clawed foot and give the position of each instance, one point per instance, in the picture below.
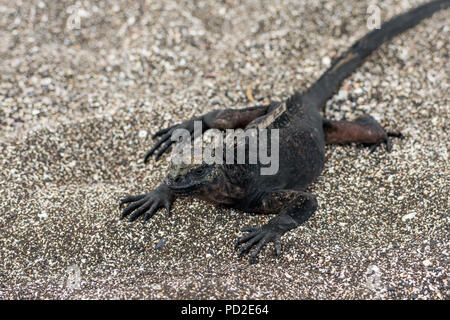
{"points": [[258, 237], [147, 204], [165, 141], [386, 139], [374, 128]]}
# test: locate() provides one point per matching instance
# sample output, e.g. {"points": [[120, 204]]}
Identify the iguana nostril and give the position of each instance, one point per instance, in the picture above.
{"points": [[177, 179]]}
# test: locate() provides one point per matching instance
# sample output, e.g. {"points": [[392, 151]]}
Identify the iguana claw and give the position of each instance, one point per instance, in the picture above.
{"points": [[164, 141], [147, 204], [258, 237]]}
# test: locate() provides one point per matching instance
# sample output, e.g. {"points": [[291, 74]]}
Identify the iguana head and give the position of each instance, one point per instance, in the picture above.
{"points": [[210, 182], [193, 178]]}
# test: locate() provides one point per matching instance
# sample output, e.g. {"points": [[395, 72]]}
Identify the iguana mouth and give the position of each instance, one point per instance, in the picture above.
{"points": [[183, 186], [183, 189]]}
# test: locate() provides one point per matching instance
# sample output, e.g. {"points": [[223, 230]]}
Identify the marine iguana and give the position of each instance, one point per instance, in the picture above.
{"points": [[303, 134]]}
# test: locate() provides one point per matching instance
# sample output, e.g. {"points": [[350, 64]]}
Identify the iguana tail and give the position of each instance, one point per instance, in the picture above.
{"points": [[324, 88]]}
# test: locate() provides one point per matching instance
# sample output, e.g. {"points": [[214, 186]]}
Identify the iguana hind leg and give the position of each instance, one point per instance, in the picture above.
{"points": [[217, 119], [365, 130], [295, 206]]}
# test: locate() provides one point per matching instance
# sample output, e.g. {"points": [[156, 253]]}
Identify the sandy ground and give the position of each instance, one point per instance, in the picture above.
{"points": [[83, 87]]}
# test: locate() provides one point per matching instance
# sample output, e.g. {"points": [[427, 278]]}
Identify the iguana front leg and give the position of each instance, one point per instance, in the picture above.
{"points": [[147, 204], [365, 130], [217, 119], [296, 207]]}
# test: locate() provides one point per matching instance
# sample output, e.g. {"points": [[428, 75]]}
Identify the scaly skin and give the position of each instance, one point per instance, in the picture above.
{"points": [[303, 134]]}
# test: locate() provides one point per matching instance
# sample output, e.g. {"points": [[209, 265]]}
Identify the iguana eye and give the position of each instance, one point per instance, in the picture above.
{"points": [[199, 171]]}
